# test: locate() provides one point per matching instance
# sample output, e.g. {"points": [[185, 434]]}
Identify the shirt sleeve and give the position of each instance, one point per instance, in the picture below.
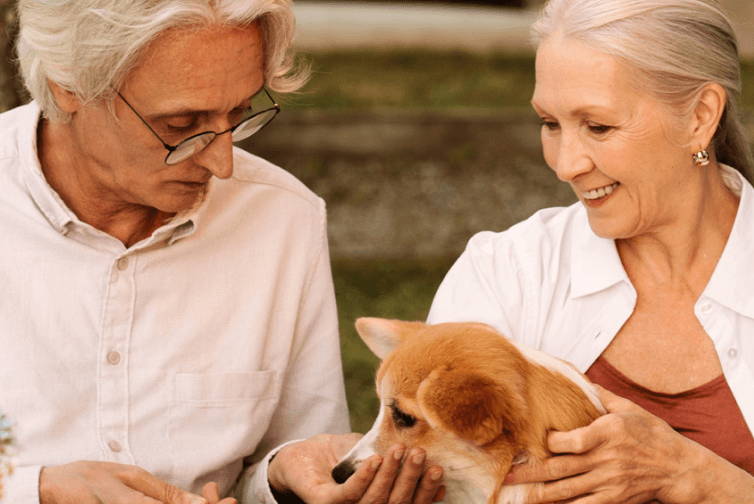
{"points": [[486, 284], [313, 400], [23, 486]]}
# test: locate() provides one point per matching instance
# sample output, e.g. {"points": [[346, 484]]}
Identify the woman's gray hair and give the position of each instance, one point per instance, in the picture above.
{"points": [[88, 47], [674, 47]]}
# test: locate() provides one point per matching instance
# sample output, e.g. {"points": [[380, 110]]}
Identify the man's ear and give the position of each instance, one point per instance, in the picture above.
{"points": [[383, 335], [707, 115], [67, 101]]}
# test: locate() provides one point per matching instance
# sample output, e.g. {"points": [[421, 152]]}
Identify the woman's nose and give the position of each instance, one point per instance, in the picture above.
{"points": [[572, 159]]}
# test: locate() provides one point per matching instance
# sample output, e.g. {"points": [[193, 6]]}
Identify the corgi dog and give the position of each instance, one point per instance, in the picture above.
{"points": [[476, 402]]}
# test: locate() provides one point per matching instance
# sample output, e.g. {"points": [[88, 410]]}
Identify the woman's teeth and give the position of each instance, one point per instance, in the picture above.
{"points": [[601, 192]]}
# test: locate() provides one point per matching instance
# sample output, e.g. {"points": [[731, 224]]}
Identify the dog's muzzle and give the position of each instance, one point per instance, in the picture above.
{"points": [[342, 472]]}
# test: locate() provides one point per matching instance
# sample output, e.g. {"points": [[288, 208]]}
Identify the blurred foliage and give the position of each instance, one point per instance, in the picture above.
{"points": [[11, 89], [416, 79], [392, 288]]}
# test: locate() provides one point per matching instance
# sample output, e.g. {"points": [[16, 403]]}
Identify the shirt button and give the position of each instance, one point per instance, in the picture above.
{"points": [[113, 357], [706, 308], [115, 446], [732, 353], [122, 263]]}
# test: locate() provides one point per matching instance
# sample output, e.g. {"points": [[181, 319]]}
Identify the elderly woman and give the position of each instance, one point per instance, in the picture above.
{"points": [[646, 283], [167, 314]]}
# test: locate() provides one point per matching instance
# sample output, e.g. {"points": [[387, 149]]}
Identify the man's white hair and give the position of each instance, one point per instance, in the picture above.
{"points": [[88, 47], [673, 47]]}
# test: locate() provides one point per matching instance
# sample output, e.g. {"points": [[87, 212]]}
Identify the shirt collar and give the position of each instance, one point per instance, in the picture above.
{"points": [[595, 264], [731, 284], [55, 210]]}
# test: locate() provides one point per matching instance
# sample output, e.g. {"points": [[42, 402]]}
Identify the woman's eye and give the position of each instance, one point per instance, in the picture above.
{"points": [[599, 129], [401, 419]]}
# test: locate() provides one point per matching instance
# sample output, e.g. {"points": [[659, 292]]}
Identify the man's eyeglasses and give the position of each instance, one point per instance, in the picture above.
{"points": [[196, 143]]}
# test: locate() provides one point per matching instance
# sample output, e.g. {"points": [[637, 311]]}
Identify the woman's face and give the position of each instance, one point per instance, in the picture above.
{"points": [[607, 140]]}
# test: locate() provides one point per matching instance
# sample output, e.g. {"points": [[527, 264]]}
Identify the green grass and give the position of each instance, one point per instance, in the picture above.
{"points": [[414, 79], [388, 288], [410, 79]]}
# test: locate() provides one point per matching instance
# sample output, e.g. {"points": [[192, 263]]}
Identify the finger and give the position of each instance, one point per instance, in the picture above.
{"points": [[383, 481], [211, 492], [614, 403], [579, 440], [565, 489], [359, 482], [169, 494], [151, 486], [429, 486], [406, 483], [440, 495], [552, 469]]}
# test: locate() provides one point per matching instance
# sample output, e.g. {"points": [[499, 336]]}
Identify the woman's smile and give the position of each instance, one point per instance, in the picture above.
{"points": [[600, 192]]}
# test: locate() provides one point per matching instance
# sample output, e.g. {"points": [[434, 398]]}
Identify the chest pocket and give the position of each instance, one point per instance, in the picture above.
{"points": [[216, 419]]}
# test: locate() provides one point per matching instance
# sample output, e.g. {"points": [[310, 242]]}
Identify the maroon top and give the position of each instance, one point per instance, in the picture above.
{"points": [[707, 414]]}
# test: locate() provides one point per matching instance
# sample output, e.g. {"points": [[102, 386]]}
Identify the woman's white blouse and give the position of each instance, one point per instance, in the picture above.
{"points": [[553, 284]]}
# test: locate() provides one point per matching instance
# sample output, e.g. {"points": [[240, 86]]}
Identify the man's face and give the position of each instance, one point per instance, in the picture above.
{"points": [[188, 81]]}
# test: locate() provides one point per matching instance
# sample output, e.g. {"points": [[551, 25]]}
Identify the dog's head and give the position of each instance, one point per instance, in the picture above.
{"points": [[455, 390]]}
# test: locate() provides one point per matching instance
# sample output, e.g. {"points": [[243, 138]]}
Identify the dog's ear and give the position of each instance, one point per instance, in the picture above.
{"points": [[383, 335], [472, 406]]}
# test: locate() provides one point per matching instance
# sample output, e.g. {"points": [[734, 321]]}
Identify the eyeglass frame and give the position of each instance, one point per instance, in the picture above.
{"points": [[173, 148]]}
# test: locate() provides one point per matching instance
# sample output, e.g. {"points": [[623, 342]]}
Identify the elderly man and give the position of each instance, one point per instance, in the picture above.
{"points": [[167, 314]]}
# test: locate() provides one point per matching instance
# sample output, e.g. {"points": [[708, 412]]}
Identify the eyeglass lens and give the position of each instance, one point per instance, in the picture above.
{"points": [[195, 144]]}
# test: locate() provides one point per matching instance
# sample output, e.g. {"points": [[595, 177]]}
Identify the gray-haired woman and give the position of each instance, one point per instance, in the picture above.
{"points": [[647, 283]]}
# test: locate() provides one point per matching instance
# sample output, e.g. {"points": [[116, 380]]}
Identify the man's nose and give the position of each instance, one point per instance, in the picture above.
{"points": [[217, 157]]}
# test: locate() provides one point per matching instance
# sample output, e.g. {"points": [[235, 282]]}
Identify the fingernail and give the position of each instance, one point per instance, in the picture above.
{"points": [[435, 475], [419, 458], [376, 463], [399, 454]]}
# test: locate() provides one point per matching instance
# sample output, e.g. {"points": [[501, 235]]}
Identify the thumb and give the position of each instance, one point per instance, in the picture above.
{"points": [[211, 492], [171, 494], [614, 403]]}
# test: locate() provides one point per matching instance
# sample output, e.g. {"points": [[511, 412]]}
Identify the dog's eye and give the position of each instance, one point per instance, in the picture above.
{"points": [[402, 419]]}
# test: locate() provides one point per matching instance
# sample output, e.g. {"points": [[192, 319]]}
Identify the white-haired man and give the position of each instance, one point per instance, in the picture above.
{"points": [[167, 314]]}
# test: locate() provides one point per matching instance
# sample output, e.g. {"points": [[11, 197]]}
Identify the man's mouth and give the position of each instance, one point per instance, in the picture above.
{"points": [[600, 192]]}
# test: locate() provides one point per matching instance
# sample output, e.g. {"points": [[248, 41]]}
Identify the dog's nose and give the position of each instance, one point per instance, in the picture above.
{"points": [[342, 472]]}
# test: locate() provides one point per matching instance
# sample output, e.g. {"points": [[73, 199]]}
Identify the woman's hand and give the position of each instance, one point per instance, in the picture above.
{"points": [[630, 456], [304, 468], [88, 482]]}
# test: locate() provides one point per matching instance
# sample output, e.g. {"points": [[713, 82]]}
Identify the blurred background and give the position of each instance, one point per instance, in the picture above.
{"points": [[416, 129]]}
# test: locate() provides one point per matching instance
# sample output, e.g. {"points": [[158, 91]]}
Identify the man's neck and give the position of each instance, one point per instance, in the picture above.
{"points": [[128, 222]]}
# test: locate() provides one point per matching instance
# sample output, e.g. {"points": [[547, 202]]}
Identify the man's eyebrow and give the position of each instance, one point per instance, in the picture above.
{"points": [[192, 112]]}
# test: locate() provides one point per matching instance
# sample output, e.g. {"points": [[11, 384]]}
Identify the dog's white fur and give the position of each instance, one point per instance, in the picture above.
{"points": [[472, 471]]}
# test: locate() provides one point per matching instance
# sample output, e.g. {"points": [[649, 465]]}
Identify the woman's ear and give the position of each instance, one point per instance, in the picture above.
{"points": [[67, 101], [706, 118]]}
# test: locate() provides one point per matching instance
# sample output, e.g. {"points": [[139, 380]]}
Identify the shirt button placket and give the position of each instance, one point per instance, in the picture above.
{"points": [[113, 370]]}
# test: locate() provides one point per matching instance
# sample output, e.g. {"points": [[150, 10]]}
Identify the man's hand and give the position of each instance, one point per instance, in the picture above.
{"points": [[87, 482], [304, 468]]}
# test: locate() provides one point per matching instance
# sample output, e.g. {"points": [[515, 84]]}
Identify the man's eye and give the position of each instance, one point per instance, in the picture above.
{"points": [[550, 125], [180, 128], [401, 419]]}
